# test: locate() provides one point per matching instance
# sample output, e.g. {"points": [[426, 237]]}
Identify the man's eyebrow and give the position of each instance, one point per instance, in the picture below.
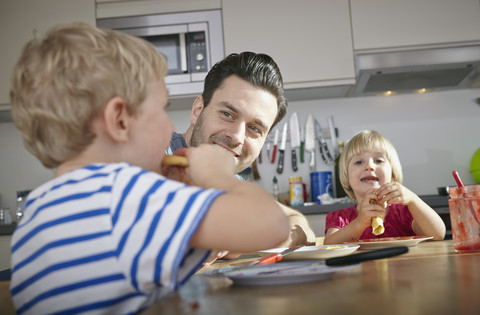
{"points": [[258, 122]]}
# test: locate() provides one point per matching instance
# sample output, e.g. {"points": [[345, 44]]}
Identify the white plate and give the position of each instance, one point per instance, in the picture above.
{"points": [[314, 252], [374, 243], [278, 273]]}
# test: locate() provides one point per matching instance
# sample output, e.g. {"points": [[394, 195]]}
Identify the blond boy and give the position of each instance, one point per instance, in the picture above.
{"points": [[109, 234]]}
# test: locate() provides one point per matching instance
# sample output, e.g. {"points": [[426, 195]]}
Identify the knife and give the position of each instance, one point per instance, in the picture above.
{"points": [[302, 145], [283, 145], [375, 254], [294, 139], [325, 154], [268, 150], [273, 258], [275, 142], [310, 142], [333, 136]]}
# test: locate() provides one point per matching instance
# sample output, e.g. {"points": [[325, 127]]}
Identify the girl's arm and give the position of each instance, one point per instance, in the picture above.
{"points": [[425, 220]]}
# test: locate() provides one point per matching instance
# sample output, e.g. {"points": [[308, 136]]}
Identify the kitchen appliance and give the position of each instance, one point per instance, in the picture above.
{"points": [[191, 41], [384, 72]]}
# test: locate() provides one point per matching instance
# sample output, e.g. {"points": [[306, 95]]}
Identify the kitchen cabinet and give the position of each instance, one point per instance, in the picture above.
{"points": [[21, 20], [379, 24], [317, 223], [309, 39], [5, 251], [115, 8]]}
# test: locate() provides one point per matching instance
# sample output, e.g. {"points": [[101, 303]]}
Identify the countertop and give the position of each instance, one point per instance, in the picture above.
{"points": [[7, 229], [437, 202]]}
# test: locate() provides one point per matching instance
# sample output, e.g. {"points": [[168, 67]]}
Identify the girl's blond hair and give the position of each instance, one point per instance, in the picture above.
{"points": [[368, 141], [63, 81]]}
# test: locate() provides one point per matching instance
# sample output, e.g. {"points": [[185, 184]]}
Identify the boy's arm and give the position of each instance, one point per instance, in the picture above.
{"points": [[244, 219]]}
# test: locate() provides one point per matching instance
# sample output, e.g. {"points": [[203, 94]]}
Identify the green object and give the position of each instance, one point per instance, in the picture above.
{"points": [[302, 149], [475, 166], [275, 188]]}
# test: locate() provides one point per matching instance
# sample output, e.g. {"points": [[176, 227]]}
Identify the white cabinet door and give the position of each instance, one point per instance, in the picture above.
{"points": [[381, 24], [21, 20], [309, 39], [115, 8]]}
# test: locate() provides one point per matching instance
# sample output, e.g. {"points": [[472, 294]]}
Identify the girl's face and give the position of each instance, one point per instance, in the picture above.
{"points": [[368, 170]]}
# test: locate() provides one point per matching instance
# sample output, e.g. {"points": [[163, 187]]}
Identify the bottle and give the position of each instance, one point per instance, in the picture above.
{"points": [[275, 188], [296, 191], [339, 191]]}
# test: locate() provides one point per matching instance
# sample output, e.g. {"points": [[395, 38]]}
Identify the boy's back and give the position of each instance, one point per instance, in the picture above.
{"points": [[81, 238]]}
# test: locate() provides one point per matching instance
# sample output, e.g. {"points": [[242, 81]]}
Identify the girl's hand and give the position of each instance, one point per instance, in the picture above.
{"points": [[366, 210], [395, 192]]}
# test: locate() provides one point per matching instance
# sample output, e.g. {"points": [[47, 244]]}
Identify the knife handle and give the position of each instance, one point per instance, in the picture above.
{"points": [[269, 259], [274, 153], [375, 254], [294, 160], [325, 149], [322, 154], [280, 162], [302, 150]]}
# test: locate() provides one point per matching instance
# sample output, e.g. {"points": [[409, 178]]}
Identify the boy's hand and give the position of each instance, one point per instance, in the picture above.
{"points": [[175, 172], [395, 192]]}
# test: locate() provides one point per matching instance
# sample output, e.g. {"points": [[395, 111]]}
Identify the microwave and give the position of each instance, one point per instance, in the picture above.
{"points": [[192, 43]]}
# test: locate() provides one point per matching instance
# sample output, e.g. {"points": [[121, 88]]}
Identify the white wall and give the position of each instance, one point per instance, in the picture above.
{"points": [[434, 133]]}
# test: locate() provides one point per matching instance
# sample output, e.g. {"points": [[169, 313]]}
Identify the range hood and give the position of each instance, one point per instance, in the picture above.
{"points": [[416, 70]]}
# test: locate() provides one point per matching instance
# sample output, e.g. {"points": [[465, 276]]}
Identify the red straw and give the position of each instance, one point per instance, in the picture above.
{"points": [[457, 179]]}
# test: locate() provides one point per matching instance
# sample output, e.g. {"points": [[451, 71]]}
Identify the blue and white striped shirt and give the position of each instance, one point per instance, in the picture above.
{"points": [[106, 238]]}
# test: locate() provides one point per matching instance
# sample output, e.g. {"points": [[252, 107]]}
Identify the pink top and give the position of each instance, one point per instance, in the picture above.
{"points": [[397, 222]]}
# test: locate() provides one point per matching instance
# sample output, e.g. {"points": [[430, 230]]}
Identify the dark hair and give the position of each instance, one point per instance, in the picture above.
{"points": [[258, 69]]}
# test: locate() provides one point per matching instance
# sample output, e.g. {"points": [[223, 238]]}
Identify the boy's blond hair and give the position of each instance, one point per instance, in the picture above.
{"points": [[367, 141], [64, 80]]}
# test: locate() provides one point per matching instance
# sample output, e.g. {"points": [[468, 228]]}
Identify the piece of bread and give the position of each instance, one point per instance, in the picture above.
{"points": [[175, 160], [377, 222]]}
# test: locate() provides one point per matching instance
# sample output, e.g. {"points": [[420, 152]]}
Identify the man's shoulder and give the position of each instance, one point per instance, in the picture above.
{"points": [[177, 142]]}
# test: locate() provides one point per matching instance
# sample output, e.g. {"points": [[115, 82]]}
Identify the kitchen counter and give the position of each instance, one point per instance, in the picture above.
{"points": [[7, 229], [316, 213], [438, 203]]}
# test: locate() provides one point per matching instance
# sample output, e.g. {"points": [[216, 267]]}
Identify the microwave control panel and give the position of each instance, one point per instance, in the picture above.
{"points": [[197, 52]]}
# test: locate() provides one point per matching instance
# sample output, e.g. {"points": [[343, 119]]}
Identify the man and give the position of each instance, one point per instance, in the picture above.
{"points": [[242, 100]]}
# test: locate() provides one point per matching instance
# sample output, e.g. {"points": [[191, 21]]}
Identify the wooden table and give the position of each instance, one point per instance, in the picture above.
{"points": [[430, 279]]}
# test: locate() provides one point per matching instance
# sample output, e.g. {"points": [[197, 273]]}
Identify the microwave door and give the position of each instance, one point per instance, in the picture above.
{"points": [[170, 40]]}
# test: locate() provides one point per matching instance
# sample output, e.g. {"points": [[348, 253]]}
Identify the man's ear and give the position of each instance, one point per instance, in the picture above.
{"points": [[196, 109], [117, 119]]}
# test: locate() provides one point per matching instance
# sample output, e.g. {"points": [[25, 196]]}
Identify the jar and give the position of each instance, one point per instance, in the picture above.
{"points": [[464, 207], [296, 191]]}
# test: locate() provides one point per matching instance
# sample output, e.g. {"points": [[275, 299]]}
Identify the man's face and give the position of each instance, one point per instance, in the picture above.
{"points": [[238, 118]]}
